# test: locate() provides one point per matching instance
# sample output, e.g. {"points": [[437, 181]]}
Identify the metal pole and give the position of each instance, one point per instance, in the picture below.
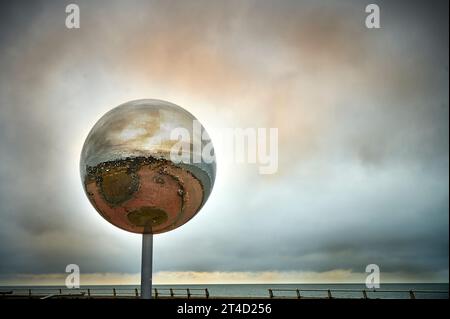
{"points": [[146, 266]]}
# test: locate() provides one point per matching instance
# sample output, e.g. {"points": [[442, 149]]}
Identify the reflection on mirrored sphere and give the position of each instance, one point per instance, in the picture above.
{"points": [[128, 174]]}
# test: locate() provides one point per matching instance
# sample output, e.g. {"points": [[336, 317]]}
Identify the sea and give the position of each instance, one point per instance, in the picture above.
{"points": [[386, 291]]}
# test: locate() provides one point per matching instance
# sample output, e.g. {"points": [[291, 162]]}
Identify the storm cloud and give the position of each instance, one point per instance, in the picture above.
{"points": [[362, 117]]}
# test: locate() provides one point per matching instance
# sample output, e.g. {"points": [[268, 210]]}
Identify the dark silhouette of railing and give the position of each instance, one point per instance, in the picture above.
{"points": [[46, 293], [164, 293], [364, 293]]}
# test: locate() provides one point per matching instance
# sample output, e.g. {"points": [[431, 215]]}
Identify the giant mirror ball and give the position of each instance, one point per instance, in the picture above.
{"points": [[128, 174]]}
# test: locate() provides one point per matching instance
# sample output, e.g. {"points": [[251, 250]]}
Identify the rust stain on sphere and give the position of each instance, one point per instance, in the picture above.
{"points": [[130, 179]]}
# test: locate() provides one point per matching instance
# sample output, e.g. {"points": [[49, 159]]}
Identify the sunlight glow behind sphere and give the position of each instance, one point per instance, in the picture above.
{"points": [[127, 172]]}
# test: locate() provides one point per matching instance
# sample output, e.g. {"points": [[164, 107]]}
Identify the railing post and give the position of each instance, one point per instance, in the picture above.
{"points": [[60, 291], [207, 293], [298, 293], [188, 293], [365, 294], [29, 292], [329, 294], [114, 292], [171, 292], [412, 295], [156, 293], [89, 292], [270, 293], [136, 292]]}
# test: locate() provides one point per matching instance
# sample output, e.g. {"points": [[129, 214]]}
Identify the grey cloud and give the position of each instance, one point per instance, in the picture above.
{"points": [[363, 120]]}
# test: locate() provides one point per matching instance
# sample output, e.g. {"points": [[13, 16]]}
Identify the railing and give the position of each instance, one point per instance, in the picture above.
{"points": [[46, 293], [175, 292], [347, 293], [300, 293]]}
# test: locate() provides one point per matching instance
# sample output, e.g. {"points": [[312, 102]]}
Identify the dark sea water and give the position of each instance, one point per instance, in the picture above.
{"points": [[386, 291]]}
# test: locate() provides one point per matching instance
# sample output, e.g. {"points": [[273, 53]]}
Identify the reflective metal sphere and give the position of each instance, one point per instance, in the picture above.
{"points": [[128, 174]]}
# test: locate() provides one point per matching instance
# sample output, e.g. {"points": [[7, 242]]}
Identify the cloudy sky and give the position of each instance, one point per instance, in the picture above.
{"points": [[363, 124]]}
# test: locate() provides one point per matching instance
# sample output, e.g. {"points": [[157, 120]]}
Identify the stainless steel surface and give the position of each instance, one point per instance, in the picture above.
{"points": [[146, 266], [128, 174]]}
